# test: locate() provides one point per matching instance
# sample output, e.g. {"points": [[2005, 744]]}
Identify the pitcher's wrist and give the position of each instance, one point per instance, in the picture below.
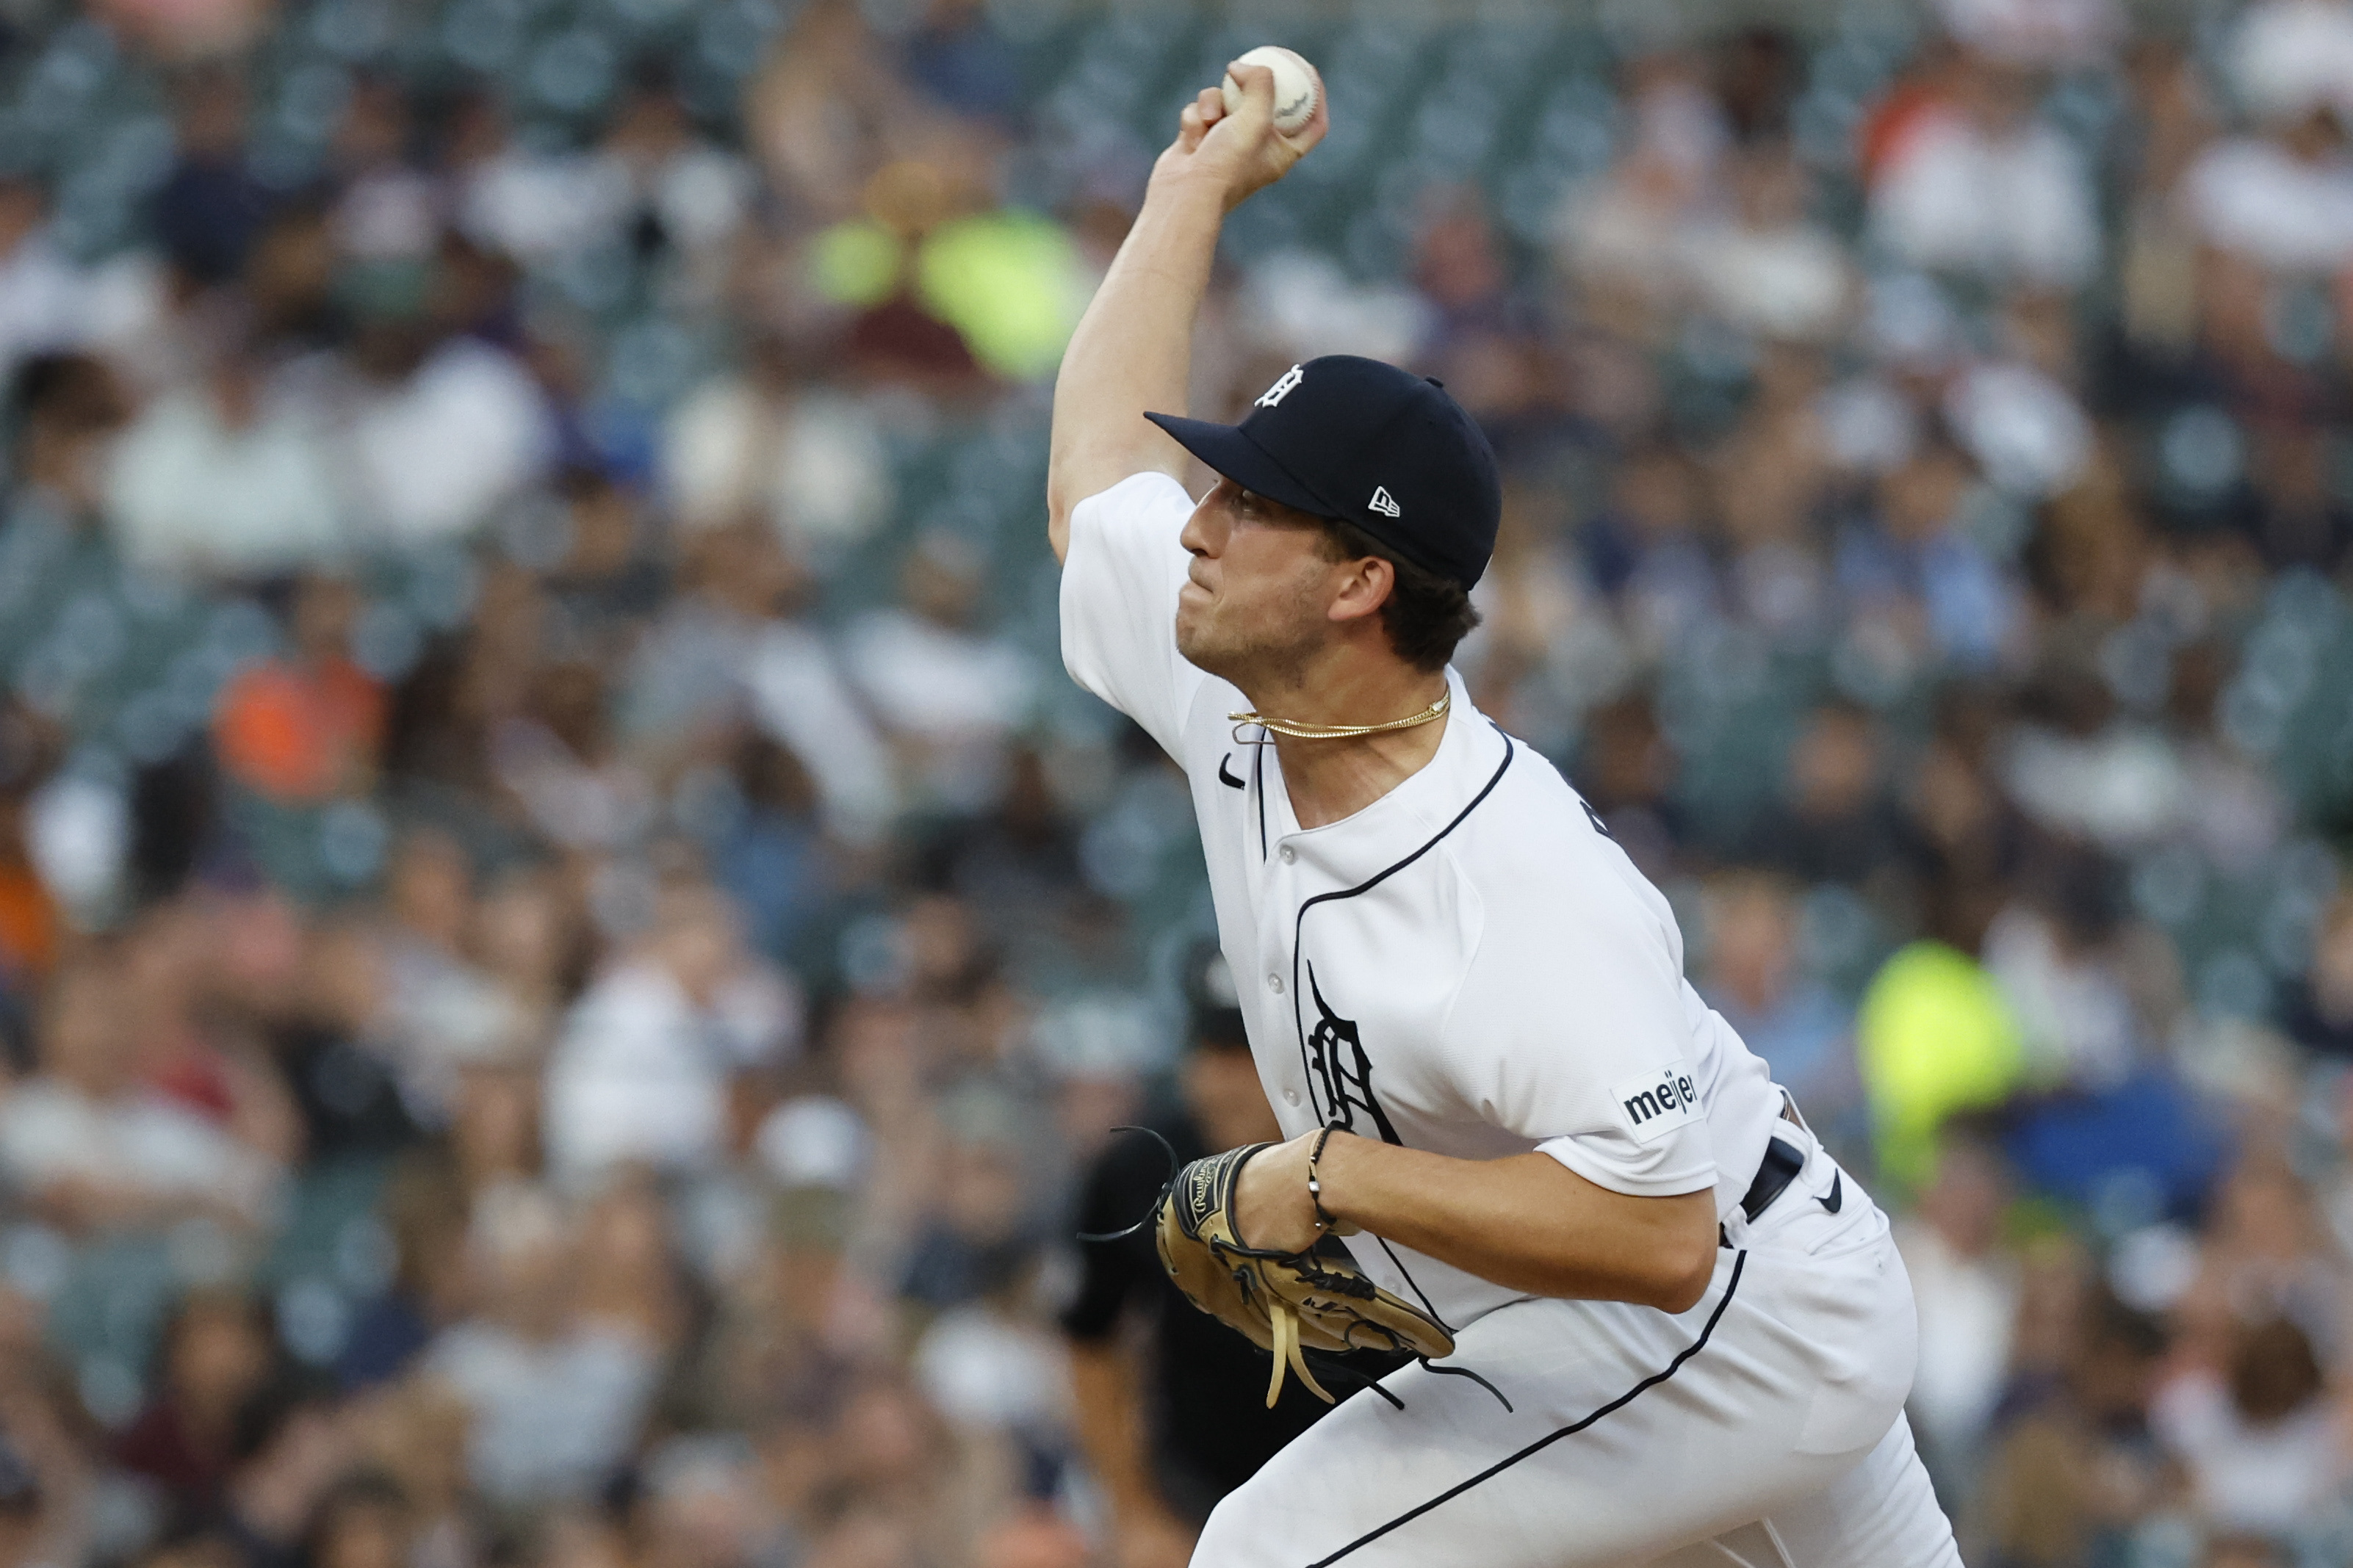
{"points": [[1179, 183]]}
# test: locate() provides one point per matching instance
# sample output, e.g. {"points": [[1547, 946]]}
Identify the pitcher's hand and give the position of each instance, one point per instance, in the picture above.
{"points": [[1242, 153]]}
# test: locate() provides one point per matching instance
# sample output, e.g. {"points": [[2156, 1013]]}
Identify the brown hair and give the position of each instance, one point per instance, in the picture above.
{"points": [[1425, 615]]}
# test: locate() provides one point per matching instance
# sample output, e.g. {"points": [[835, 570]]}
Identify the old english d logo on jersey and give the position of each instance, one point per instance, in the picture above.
{"points": [[1337, 1057]]}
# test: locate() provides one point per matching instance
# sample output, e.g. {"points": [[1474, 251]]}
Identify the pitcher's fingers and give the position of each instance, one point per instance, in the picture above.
{"points": [[1211, 101], [1257, 83], [1191, 127]]}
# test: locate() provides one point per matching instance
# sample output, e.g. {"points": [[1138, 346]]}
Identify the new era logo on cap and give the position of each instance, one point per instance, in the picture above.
{"points": [[1384, 502]]}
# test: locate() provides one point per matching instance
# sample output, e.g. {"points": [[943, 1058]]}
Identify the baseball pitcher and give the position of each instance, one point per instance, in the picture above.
{"points": [[1655, 1324]]}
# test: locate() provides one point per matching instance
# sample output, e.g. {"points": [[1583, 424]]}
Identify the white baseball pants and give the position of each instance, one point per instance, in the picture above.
{"points": [[1763, 1429]]}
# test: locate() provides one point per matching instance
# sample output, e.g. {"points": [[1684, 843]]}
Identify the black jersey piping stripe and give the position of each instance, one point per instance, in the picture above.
{"points": [[1258, 786], [1739, 1262], [1299, 922], [1299, 926]]}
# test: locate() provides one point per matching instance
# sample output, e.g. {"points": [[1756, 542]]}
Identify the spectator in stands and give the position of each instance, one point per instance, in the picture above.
{"points": [[192, 1050], [1752, 974], [2320, 1014], [642, 1069], [668, 190], [1834, 822], [210, 205], [560, 761], [781, 439], [226, 477], [304, 729], [1967, 1284], [948, 693], [364, 1521], [29, 920], [433, 430], [2076, 1469], [1768, 268], [291, 1443], [1977, 183], [67, 410], [425, 1211], [2262, 1447], [386, 209], [555, 1395], [1910, 566], [95, 1151], [218, 1353], [47, 301]]}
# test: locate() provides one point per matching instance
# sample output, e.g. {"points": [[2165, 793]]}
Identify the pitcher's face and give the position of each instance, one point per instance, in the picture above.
{"points": [[1258, 597]]}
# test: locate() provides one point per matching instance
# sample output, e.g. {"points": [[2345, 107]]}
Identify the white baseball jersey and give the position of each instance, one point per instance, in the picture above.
{"points": [[1469, 966]]}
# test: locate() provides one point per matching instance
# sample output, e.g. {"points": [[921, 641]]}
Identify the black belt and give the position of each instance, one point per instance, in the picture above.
{"points": [[1780, 1167]]}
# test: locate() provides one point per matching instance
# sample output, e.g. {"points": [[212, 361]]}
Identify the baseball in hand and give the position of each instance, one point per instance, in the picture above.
{"points": [[1295, 87]]}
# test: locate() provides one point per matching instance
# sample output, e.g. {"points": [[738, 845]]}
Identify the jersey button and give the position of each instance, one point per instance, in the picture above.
{"points": [[1290, 1097], [1289, 854], [1274, 984]]}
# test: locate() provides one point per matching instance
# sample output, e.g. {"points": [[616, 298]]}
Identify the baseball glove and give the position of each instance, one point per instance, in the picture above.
{"points": [[1286, 1302]]}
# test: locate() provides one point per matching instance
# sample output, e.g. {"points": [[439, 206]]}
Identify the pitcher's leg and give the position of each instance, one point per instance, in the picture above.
{"points": [[1881, 1514], [1750, 1546], [1631, 1432], [1776, 1403]]}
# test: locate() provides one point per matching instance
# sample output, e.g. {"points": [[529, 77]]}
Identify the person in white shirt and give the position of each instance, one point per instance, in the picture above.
{"points": [[430, 437], [556, 1394], [1983, 186], [948, 693], [1690, 1336], [84, 1145], [226, 478], [641, 1070]]}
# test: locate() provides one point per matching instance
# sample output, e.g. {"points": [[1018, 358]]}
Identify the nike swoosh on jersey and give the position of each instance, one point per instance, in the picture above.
{"points": [[1226, 778], [1837, 1200]]}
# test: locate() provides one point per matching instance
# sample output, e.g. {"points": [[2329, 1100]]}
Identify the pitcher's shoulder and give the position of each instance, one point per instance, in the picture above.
{"points": [[1543, 853], [1536, 814]]}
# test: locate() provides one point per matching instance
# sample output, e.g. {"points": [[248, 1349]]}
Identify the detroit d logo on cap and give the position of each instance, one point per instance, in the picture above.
{"points": [[1273, 395]]}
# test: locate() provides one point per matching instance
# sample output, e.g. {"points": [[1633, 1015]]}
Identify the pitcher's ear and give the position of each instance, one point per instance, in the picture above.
{"points": [[1367, 587]]}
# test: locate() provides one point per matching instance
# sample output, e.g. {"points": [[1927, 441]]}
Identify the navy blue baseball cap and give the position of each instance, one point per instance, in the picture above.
{"points": [[1372, 445]]}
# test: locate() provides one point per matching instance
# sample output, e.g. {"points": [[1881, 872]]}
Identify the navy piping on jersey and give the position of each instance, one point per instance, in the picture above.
{"points": [[1299, 922], [1299, 926], [1739, 1261], [1258, 788]]}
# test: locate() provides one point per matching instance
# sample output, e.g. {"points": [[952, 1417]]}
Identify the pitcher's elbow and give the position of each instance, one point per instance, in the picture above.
{"points": [[1683, 1276]]}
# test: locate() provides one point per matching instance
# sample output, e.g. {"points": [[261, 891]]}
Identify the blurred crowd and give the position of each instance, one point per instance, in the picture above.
{"points": [[564, 940]]}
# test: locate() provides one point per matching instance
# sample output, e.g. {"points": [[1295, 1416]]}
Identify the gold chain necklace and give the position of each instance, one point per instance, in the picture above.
{"points": [[1341, 731]]}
